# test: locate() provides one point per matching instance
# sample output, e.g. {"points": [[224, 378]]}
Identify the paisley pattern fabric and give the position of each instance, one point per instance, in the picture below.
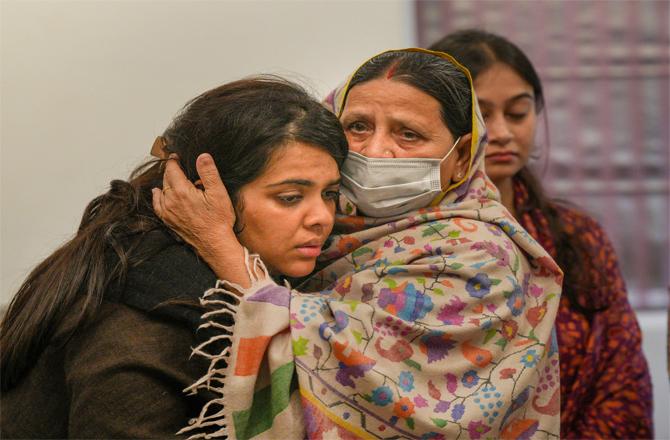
{"points": [[605, 383], [435, 324]]}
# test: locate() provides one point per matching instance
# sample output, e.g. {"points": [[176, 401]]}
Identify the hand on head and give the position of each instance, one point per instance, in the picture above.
{"points": [[204, 218]]}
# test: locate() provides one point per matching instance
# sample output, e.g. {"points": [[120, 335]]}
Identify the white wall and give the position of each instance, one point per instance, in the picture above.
{"points": [[86, 87]]}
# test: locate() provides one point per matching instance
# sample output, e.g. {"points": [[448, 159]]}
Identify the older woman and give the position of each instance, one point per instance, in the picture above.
{"points": [[432, 310]]}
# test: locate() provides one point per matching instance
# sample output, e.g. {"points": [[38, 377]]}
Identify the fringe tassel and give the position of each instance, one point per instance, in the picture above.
{"points": [[225, 300]]}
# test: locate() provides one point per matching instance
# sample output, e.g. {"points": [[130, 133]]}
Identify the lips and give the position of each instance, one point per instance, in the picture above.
{"points": [[502, 156], [311, 248]]}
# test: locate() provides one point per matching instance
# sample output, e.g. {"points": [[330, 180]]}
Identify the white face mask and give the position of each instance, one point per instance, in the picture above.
{"points": [[385, 187]]}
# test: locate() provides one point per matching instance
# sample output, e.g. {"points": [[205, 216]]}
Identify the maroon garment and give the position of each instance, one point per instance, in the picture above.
{"points": [[605, 382]]}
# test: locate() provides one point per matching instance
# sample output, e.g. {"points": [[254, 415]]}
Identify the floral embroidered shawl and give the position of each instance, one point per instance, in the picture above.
{"points": [[435, 324]]}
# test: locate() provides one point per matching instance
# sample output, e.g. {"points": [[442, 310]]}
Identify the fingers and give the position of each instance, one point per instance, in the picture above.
{"points": [[156, 201], [174, 176], [209, 175]]}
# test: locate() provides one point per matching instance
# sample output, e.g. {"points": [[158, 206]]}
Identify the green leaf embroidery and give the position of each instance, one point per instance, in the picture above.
{"points": [[391, 283], [300, 346], [454, 234], [438, 291], [360, 251], [494, 281], [410, 422], [412, 364], [490, 333], [352, 304], [501, 342], [440, 423], [358, 336], [455, 266]]}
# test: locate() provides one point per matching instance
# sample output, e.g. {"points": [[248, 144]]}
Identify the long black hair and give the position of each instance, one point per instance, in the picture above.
{"points": [[478, 50], [240, 124]]}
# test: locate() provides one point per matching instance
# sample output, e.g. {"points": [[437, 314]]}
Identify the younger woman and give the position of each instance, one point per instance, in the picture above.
{"points": [[96, 342]]}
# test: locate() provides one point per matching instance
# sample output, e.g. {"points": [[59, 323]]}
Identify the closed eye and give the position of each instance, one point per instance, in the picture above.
{"points": [[331, 194], [289, 199]]}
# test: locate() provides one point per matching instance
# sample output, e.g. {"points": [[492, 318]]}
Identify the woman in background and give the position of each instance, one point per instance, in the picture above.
{"points": [[605, 382], [96, 342]]}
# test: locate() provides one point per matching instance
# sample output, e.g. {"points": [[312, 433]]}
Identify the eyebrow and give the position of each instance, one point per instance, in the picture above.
{"points": [[301, 182], [512, 99]]}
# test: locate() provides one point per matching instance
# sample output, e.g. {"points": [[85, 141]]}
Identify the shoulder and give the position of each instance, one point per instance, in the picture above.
{"points": [[168, 281], [576, 221]]}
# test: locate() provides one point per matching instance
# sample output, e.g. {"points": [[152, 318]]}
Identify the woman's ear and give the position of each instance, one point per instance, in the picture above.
{"points": [[463, 159]]}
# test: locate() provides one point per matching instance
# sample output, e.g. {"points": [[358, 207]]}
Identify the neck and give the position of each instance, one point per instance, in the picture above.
{"points": [[506, 189]]}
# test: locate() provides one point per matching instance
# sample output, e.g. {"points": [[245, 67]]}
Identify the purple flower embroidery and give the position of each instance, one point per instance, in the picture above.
{"points": [[450, 312], [458, 411], [470, 379], [442, 406], [436, 345], [479, 286]]}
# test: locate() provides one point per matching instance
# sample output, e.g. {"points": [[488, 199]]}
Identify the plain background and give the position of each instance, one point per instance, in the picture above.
{"points": [[86, 86]]}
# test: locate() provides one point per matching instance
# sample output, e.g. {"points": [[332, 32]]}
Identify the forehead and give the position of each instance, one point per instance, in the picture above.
{"points": [[390, 95], [299, 160], [499, 83]]}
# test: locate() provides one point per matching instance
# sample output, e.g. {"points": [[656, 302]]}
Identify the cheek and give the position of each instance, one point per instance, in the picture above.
{"points": [[525, 136], [354, 144]]}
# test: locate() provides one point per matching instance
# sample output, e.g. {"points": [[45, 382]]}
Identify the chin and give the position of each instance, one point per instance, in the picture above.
{"points": [[298, 269]]}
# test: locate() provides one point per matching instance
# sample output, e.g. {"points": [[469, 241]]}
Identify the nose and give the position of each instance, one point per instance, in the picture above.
{"points": [[498, 130], [320, 216], [380, 144]]}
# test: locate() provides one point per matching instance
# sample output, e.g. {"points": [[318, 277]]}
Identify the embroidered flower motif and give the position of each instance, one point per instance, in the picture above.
{"points": [[450, 313], [382, 396], [536, 314], [442, 406], [509, 329], [508, 228], [507, 373], [530, 359], [479, 286], [436, 345], [403, 408], [452, 382], [536, 291], [495, 230], [515, 300], [458, 411], [344, 286], [405, 302], [399, 351], [406, 381], [470, 379], [348, 244], [420, 402], [477, 428]]}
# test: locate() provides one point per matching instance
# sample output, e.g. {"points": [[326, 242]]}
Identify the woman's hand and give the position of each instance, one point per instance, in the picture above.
{"points": [[204, 218]]}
